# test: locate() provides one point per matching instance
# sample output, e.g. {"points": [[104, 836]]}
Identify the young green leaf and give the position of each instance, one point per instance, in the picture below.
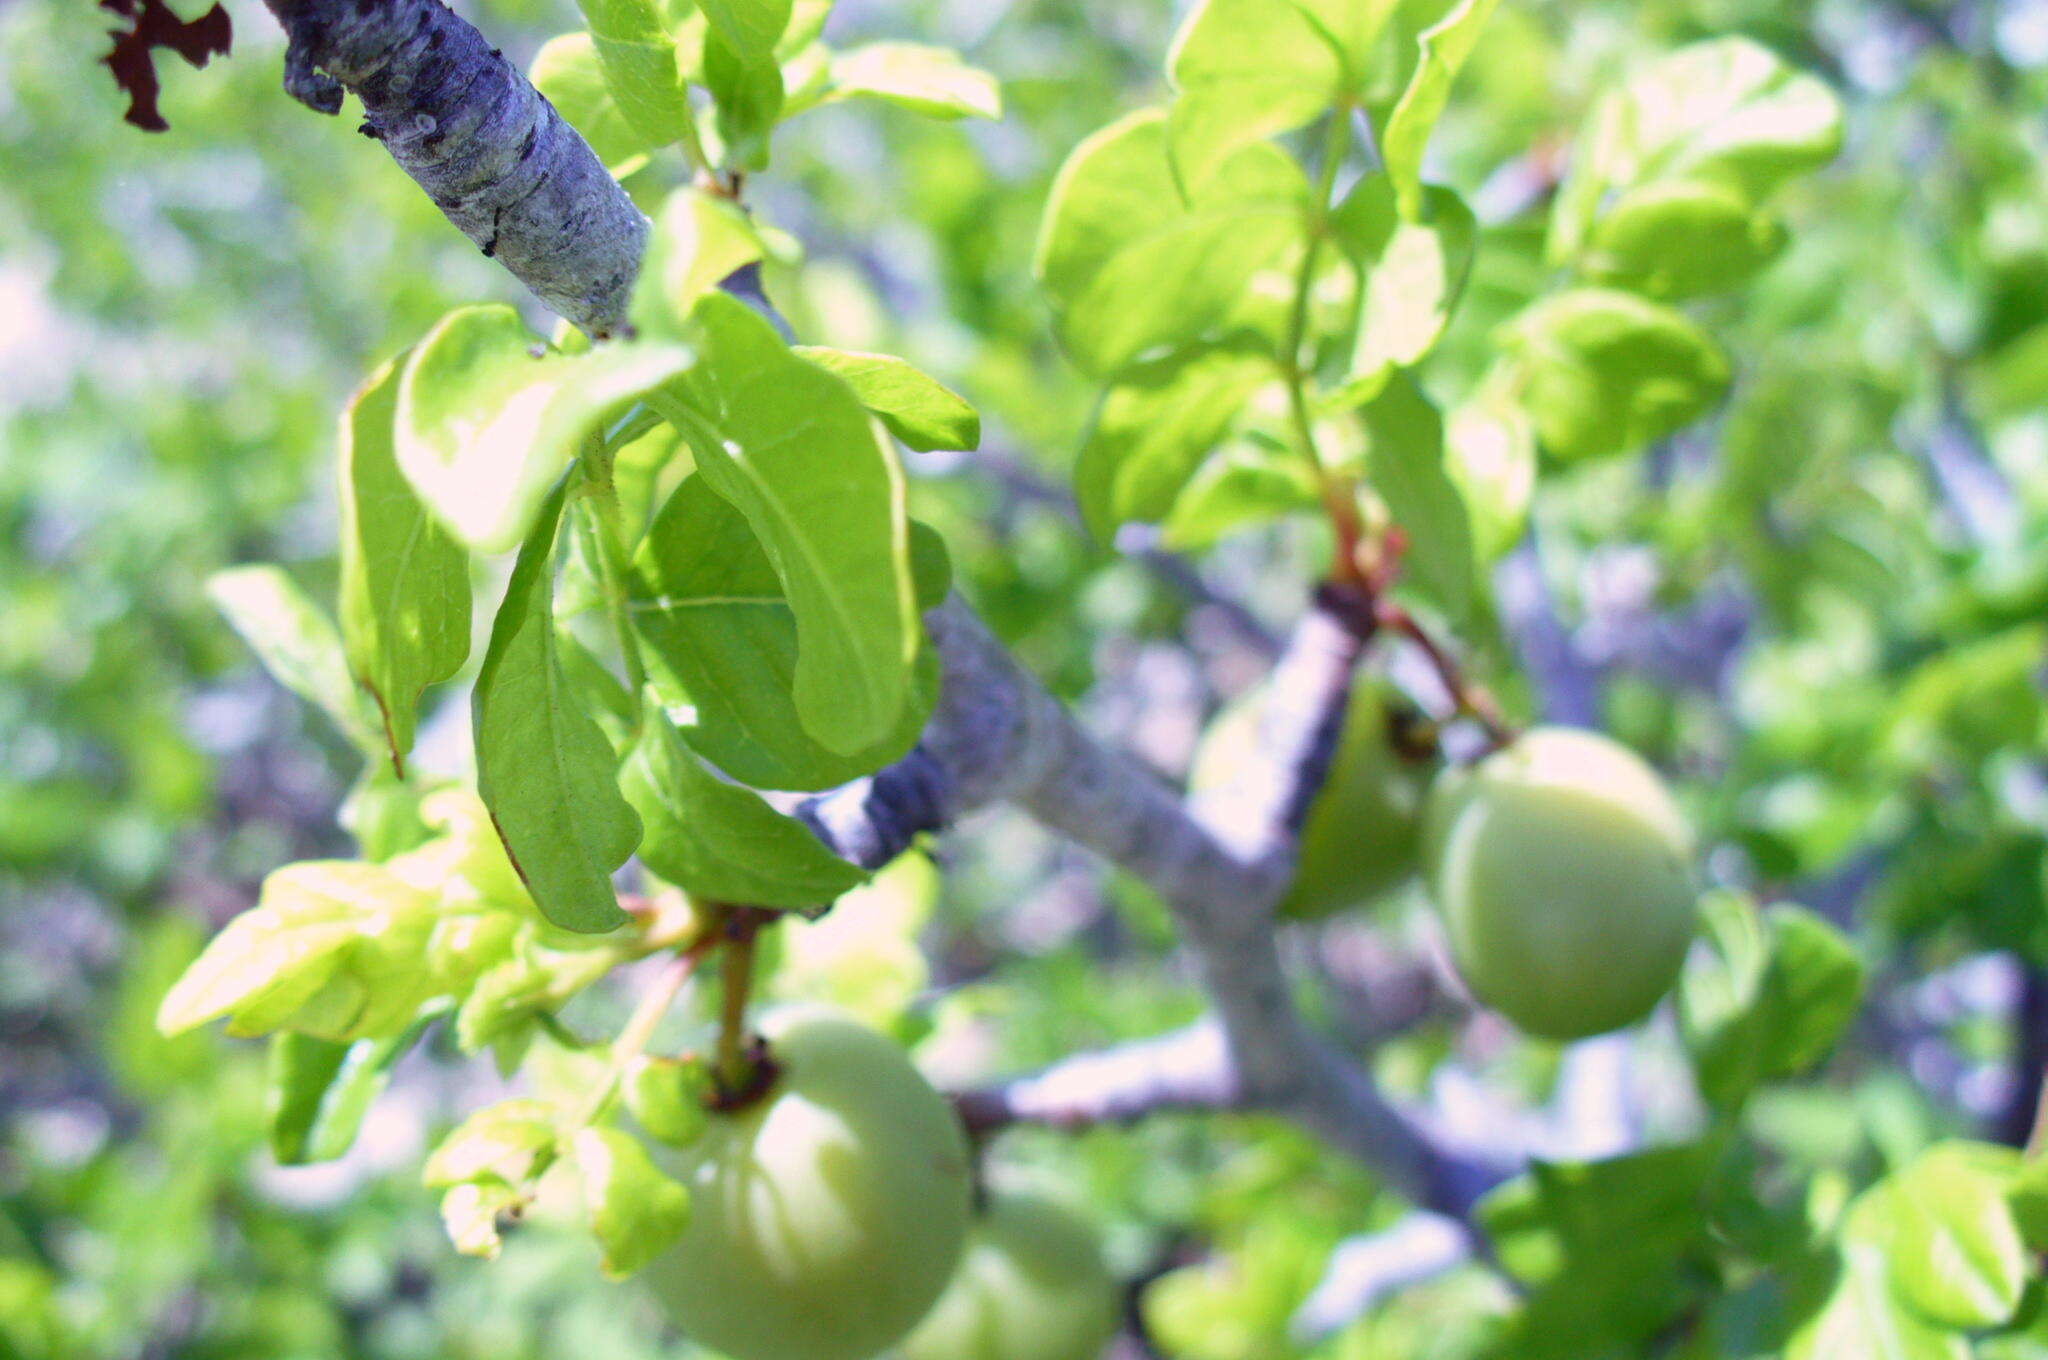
{"points": [[404, 580], [484, 428], [1606, 372], [568, 71], [699, 239], [930, 80], [1766, 998], [635, 43], [1490, 452], [635, 1211], [1726, 112], [751, 28], [792, 448], [918, 409], [1243, 487], [1132, 265], [502, 1142], [1863, 1317], [749, 95], [1948, 1234], [543, 766], [297, 643], [1444, 47], [332, 948], [318, 1092], [1680, 239], [470, 1214], [669, 1098], [1405, 462], [1245, 70], [1414, 271], [719, 841], [721, 640], [1153, 429]]}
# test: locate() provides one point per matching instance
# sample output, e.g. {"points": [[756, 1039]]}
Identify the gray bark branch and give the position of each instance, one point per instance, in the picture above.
{"points": [[486, 146]]}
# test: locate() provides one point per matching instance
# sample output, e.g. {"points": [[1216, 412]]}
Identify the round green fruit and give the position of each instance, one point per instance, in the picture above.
{"points": [[1562, 870], [1032, 1286], [826, 1217], [1363, 834]]}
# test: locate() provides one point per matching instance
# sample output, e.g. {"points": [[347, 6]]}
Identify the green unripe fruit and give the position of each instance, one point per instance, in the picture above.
{"points": [[1363, 834], [1562, 871], [1032, 1286], [826, 1217]]}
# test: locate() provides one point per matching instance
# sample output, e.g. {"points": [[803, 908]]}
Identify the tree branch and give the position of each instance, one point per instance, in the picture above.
{"points": [[504, 167], [490, 151]]}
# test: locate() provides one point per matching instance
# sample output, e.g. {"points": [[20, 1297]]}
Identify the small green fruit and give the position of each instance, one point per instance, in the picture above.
{"points": [[1363, 834], [1032, 1286], [1561, 868], [827, 1216]]}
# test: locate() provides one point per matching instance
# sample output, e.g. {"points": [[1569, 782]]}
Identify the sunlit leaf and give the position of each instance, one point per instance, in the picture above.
{"points": [[543, 767], [405, 606]]}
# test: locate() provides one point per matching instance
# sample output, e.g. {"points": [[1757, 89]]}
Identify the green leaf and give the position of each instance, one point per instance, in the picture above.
{"points": [[318, 1092], [1681, 239], [1131, 264], [1243, 487], [1948, 1234], [485, 428], [791, 447], [1414, 272], [1727, 111], [635, 1211], [1766, 997], [669, 1098], [751, 28], [749, 95], [297, 643], [1862, 1317], [1117, 188], [1444, 46], [1490, 452], [1405, 462], [538, 974], [405, 608], [1816, 985], [1246, 70], [470, 1214], [569, 73], [721, 639], [333, 948], [1154, 428], [720, 841], [543, 766], [930, 80], [1603, 1246], [1606, 372], [918, 409], [504, 1142], [1177, 286], [699, 239], [635, 44]]}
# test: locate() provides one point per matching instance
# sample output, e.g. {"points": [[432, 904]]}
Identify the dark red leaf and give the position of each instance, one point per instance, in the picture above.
{"points": [[133, 61]]}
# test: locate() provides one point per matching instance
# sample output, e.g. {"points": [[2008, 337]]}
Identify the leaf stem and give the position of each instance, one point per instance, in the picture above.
{"points": [[646, 1018], [1335, 491]]}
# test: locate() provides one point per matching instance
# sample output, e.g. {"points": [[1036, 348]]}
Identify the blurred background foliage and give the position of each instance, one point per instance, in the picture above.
{"points": [[1822, 607]]}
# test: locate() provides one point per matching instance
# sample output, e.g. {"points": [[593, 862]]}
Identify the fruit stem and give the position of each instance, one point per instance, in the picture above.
{"points": [[1473, 700], [738, 1066]]}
